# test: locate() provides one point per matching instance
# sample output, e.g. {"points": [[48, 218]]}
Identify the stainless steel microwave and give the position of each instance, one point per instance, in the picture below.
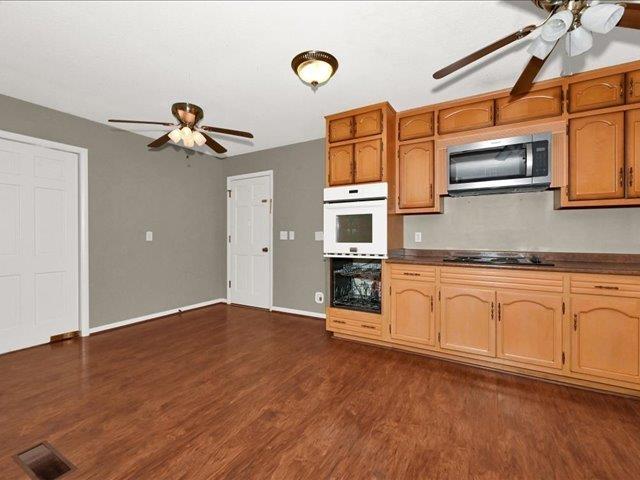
{"points": [[505, 165]]}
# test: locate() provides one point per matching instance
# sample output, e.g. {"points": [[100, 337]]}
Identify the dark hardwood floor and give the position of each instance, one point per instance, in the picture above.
{"points": [[231, 392]]}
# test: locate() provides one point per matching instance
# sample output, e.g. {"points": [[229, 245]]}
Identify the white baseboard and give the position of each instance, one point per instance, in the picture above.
{"points": [[150, 316], [299, 312]]}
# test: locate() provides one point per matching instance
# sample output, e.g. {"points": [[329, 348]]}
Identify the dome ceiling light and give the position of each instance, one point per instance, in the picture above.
{"points": [[314, 67]]}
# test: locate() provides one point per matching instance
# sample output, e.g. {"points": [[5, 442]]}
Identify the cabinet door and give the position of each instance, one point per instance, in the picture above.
{"points": [[368, 166], [341, 165], [605, 337], [415, 126], [416, 175], [633, 87], [467, 321], [596, 157], [341, 129], [632, 151], [597, 93], [369, 123], [466, 117], [412, 317], [530, 328], [539, 104]]}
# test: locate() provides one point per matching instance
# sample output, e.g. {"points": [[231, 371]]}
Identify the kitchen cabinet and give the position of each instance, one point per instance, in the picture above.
{"points": [[533, 105], [466, 117], [467, 320], [368, 123], [605, 337], [529, 328], [368, 161], [632, 151], [412, 315], [415, 126], [633, 87], [341, 165], [596, 157], [597, 93], [341, 129], [416, 175]]}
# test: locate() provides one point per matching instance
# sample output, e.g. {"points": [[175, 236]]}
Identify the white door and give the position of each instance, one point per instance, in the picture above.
{"points": [[38, 244], [249, 240]]}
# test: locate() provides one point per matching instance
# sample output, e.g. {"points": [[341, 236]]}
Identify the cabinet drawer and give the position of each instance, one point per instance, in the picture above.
{"points": [[611, 285], [633, 87], [466, 117], [598, 93], [354, 326], [369, 123], [415, 126], [413, 272], [539, 104], [341, 129]]}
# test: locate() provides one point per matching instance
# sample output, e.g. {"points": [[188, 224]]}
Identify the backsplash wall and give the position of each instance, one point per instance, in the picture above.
{"points": [[524, 221]]}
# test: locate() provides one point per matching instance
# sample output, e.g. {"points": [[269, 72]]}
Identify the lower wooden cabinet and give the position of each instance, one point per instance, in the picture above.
{"points": [[467, 320], [530, 328], [605, 337], [632, 151], [412, 317]]}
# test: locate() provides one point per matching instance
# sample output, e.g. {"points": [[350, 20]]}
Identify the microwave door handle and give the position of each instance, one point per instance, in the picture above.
{"points": [[529, 149]]}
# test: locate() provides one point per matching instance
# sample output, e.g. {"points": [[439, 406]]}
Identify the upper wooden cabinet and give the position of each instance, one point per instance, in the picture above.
{"points": [[368, 161], [467, 320], [341, 129], [412, 312], [419, 125], [368, 123], [415, 175], [538, 104], [530, 328], [466, 117], [605, 337], [341, 165], [598, 93], [633, 87], [596, 157], [632, 152]]}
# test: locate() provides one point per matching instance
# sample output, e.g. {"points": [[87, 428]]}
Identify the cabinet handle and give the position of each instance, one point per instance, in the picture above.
{"points": [[622, 90], [411, 274], [631, 176], [621, 173], [607, 287], [340, 321], [499, 312], [431, 191], [491, 310], [575, 321], [631, 87], [367, 326]]}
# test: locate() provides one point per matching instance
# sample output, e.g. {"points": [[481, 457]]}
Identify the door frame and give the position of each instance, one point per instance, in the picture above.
{"points": [[264, 173], [83, 217]]}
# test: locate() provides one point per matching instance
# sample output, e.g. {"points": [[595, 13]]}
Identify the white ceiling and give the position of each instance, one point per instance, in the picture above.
{"points": [[102, 60]]}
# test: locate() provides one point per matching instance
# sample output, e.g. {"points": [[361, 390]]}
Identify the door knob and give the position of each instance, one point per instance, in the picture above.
{"points": [[265, 249]]}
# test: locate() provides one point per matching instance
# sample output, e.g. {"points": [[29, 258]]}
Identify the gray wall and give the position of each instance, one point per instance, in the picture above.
{"points": [[298, 264], [524, 221], [132, 190]]}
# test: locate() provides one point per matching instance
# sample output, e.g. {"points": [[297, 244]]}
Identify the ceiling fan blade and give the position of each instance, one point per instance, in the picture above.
{"points": [[215, 146], [528, 75], [523, 32], [166, 124], [158, 142], [227, 131], [631, 17]]}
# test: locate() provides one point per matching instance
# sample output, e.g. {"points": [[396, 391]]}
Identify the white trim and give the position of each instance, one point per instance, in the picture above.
{"points": [[151, 316], [264, 173], [294, 311], [83, 217]]}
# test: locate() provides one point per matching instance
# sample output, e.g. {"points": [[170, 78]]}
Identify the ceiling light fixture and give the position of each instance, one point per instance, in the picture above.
{"points": [[578, 41], [314, 67], [601, 18], [557, 26]]}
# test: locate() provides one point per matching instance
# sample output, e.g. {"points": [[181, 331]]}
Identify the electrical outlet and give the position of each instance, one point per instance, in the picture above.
{"points": [[292, 235], [284, 235], [148, 236], [319, 297], [417, 237]]}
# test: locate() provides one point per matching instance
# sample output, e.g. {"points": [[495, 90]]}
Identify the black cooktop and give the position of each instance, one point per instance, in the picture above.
{"points": [[488, 260]]}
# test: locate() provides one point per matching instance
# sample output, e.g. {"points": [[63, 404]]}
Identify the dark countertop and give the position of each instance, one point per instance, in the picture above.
{"points": [[596, 263]]}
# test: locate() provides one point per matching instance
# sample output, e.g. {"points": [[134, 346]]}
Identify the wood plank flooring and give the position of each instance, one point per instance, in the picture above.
{"points": [[237, 393]]}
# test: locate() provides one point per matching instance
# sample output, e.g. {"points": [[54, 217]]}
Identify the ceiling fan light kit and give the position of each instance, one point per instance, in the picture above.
{"points": [[557, 25], [602, 18], [540, 48], [578, 41]]}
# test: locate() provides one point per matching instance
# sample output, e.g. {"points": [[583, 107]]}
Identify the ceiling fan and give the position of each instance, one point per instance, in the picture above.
{"points": [[573, 19], [186, 129]]}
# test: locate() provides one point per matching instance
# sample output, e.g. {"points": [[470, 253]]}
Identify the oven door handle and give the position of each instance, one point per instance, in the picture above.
{"points": [[529, 149]]}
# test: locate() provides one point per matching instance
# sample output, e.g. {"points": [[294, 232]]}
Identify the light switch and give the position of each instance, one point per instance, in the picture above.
{"points": [[292, 235], [149, 236], [319, 236], [417, 236], [283, 235]]}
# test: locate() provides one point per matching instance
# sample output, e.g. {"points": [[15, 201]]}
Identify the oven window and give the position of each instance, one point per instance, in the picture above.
{"points": [[354, 228], [492, 164]]}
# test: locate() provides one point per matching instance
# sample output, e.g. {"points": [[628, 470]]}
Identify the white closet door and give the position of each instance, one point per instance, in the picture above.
{"points": [[38, 244]]}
